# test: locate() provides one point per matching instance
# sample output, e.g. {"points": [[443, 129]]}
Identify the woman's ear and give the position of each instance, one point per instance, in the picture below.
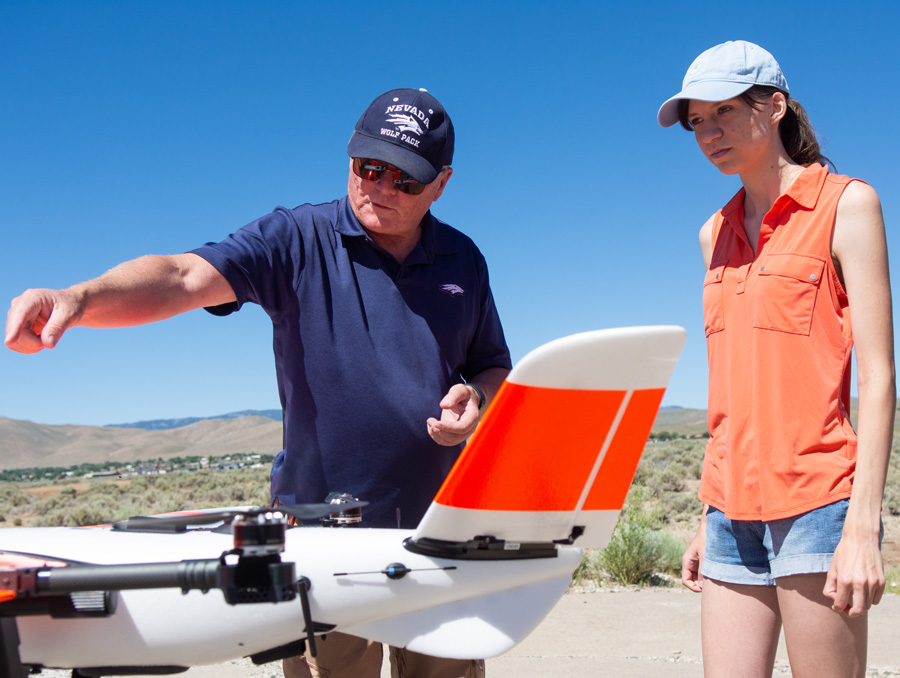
{"points": [[779, 106]]}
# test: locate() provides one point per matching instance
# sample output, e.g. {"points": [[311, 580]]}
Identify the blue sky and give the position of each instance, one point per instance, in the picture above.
{"points": [[130, 128]]}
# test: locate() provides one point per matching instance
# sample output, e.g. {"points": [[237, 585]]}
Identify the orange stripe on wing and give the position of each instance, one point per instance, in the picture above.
{"points": [[620, 463], [534, 450]]}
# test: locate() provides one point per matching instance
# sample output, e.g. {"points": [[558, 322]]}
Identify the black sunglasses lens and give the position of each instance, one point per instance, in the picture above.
{"points": [[412, 188], [367, 169]]}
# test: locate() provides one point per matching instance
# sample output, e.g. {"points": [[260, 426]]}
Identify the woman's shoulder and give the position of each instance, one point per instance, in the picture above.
{"points": [[859, 195], [854, 188], [707, 228], [859, 223], [706, 238]]}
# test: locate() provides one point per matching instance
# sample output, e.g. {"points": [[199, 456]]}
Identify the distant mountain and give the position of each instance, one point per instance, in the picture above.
{"points": [[24, 444], [680, 421], [166, 424]]}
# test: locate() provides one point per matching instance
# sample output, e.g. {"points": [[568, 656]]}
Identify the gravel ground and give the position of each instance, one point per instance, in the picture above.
{"points": [[626, 633]]}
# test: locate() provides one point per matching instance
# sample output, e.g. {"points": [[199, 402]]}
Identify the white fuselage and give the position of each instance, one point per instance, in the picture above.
{"points": [[477, 609]]}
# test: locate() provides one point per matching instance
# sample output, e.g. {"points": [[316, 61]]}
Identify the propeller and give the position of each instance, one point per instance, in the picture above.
{"points": [[181, 521]]}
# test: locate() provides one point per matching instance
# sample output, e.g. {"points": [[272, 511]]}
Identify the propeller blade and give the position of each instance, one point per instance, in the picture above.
{"points": [[181, 521], [317, 511]]}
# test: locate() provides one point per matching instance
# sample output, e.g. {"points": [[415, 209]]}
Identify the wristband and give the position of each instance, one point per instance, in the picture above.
{"points": [[482, 400]]}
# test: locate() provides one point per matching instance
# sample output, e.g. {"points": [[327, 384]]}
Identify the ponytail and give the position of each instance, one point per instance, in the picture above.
{"points": [[797, 134]]}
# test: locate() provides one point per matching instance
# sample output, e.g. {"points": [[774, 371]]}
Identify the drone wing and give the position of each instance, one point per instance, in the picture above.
{"points": [[551, 463], [555, 453]]}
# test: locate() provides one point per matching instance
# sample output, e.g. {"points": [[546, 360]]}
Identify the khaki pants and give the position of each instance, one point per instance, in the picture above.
{"points": [[339, 655]]}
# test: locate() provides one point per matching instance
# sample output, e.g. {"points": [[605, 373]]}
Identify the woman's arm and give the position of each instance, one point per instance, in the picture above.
{"points": [[856, 578]]}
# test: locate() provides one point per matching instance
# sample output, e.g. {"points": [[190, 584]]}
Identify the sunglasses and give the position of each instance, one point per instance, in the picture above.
{"points": [[372, 170]]}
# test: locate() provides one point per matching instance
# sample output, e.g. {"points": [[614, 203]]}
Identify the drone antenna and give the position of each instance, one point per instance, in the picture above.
{"points": [[398, 517]]}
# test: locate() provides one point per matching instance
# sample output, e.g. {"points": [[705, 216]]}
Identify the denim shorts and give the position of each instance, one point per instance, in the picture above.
{"points": [[758, 552]]}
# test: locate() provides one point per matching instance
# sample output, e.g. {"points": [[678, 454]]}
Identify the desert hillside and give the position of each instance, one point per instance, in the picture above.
{"points": [[24, 444]]}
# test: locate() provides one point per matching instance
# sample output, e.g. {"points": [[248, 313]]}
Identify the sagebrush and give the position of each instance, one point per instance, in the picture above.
{"points": [[79, 502]]}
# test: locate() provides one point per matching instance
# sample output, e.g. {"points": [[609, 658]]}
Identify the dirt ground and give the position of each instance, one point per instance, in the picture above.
{"points": [[626, 633]]}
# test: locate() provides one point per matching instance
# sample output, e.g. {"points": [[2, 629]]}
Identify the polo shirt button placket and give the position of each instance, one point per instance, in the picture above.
{"points": [[743, 283]]}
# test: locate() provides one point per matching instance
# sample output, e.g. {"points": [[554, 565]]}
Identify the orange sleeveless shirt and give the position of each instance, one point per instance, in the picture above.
{"points": [[779, 344]]}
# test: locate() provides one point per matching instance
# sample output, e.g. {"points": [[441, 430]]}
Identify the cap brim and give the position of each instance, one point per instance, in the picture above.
{"points": [[710, 90], [364, 146]]}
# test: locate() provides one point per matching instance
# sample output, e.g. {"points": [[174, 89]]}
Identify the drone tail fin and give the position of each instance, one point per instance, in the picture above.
{"points": [[556, 451]]}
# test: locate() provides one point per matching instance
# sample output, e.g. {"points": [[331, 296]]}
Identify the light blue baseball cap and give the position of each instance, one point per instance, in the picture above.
{"points": [[724, 72]]}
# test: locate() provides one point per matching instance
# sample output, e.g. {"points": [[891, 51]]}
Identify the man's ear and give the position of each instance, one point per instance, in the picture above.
{"points": [[443, 179]]}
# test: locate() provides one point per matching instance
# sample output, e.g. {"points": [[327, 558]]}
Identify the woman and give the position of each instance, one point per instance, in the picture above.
{"points": [[791, 528]]}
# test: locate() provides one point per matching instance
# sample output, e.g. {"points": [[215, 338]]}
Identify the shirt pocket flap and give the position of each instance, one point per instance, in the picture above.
{"points": [[805, 268], [713, 275], [713, 309], [785, 297]]}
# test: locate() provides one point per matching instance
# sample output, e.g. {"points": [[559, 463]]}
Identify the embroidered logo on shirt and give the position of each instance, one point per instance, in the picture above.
{"points": [[452, 289]]}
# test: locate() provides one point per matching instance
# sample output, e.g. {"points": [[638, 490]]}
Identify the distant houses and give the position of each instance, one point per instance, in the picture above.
{"points": [[665, 436], [139, 468]]}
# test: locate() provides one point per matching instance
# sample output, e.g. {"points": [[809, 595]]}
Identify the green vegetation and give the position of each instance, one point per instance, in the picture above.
{"points": [[668, 435], [639, 550], [891, 503], [102, 500], [670, 474], [112, 468], [644, 548], [891, 507], [892, 577]]}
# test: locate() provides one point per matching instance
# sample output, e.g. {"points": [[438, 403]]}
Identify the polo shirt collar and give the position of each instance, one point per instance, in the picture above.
{"points": [[805, 191], [807, 186], [435, 241], [347, 223], [734, 209], [436, 238]]}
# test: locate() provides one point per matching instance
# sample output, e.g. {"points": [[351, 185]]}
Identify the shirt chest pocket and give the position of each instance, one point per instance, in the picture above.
{"points": [[785, 294], [713, 309]]}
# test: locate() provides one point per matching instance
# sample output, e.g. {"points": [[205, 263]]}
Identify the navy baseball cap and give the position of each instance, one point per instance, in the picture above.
{"points": [[406, 128]]}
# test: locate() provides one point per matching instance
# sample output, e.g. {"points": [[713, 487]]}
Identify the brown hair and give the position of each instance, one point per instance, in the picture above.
{"points": [[796, 131]]}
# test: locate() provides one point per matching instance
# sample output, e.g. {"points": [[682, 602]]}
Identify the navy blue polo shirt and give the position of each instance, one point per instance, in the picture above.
{"points": [[365, 349]]}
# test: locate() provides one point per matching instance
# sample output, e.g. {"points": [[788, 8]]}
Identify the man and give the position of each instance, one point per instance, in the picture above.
{"points": [[387, 342]]}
